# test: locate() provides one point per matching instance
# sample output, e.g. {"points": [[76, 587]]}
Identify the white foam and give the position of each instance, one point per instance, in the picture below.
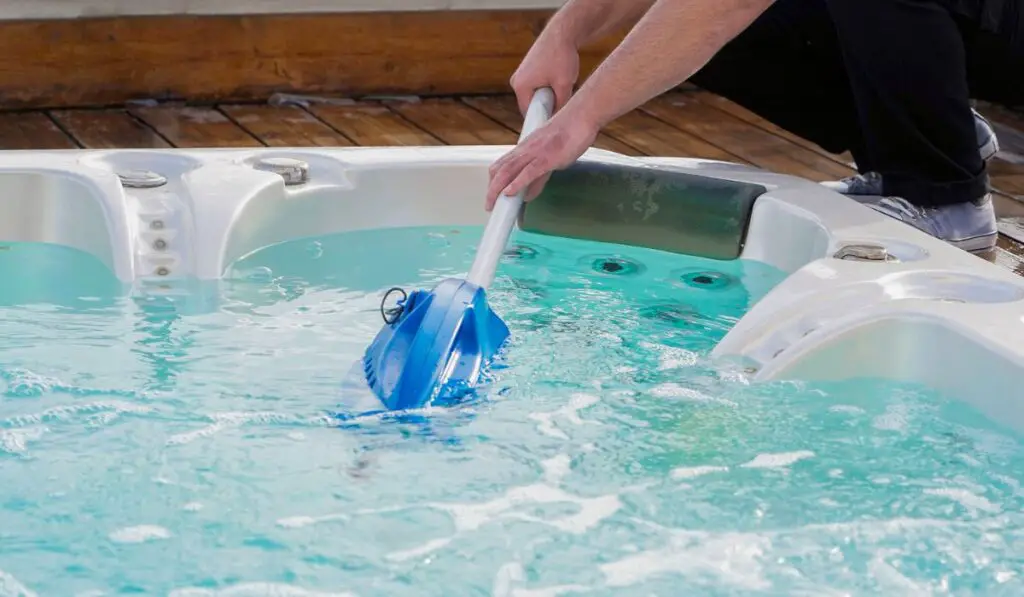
{"points": [[63, 413], [569, 412], [675, 390], [673, 358], [886, 575], [139, 534], [421, 550], [1005, 576], [512, 573], [471, 517], [732, 558], [24, 383], [15, 441], [546, 425], [696, 471], [258, 589], [737, 559], [192, 507], [846, 409], [230, 420], [508, 574], [965, 498], [1015, 484], [554, 591], [896, 418], [296, 522], [779, 460], [12, 587], [688, 359], [556, 468]]}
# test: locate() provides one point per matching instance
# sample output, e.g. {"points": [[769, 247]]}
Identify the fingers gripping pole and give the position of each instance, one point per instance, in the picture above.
{"points": [[506, 209]]}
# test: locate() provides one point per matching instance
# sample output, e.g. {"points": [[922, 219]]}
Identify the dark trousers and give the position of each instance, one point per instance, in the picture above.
{"points": [[888, 80]]}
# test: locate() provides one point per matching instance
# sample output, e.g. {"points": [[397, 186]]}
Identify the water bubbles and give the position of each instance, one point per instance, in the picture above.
{"points": [[315, 250], [259, 275], [525, 253], [436, 239], [520, 252], [674, 314], [21, 383], [139, 534], [684, 326], [525, 290]]}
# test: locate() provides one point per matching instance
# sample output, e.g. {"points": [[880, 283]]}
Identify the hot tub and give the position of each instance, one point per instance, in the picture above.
{"points": [[792, 287]]}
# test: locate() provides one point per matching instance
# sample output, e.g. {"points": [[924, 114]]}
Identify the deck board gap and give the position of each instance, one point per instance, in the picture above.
{"points": [[340, 132], [60, 126], [709, 139], [412, 123], [142, 123], [463, 101]]}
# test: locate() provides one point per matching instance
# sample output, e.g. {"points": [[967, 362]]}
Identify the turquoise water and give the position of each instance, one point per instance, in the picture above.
{"points": [[156, 447]]}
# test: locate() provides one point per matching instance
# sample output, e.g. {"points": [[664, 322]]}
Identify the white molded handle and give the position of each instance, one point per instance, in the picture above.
{"points": [[506, 209]]}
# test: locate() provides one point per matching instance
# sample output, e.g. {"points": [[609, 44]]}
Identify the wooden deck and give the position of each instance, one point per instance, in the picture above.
{"points": [[690, 123]]}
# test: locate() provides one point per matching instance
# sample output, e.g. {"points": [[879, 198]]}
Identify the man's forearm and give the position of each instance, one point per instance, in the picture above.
{"points": [[674, 40], [585, 21]]}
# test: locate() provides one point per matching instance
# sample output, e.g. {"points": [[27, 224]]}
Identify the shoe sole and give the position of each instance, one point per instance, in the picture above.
{"points": [[976, 243]]}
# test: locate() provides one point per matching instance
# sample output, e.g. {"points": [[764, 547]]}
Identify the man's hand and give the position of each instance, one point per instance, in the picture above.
{"points": [[553, 61], [652, 59], [554, 146]]}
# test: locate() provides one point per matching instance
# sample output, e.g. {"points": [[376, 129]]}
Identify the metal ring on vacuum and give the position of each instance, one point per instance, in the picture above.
{"points": [[395, 312]]}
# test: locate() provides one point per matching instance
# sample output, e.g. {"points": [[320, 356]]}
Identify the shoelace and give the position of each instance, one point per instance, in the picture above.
{"points": [[904, 208], [863, 184]]}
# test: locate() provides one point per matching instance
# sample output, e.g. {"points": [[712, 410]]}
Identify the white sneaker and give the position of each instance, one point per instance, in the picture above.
{"points": [[969, 226]]}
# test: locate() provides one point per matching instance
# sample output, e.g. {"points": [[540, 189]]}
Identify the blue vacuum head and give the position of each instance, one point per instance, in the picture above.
{"points": [[434, 346]]}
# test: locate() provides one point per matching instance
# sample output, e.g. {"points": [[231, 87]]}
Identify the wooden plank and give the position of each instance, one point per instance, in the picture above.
{"points": [[753, 144], [455, 123], [191, 127], [373, 124], [1012, 227], [653, 137], [504, 109], [1007, 207], [1007, 177], [1008, 254], [231, 58], [745, 115], [285, 126], [32, 130], [1007, 167], [108, 129]]}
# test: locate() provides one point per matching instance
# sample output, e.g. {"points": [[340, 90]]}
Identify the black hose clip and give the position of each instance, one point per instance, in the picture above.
{"points": [[393, 314]]}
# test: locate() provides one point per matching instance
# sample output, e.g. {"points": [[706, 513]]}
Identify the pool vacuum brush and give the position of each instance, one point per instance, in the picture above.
{"points": [[436, 343]]}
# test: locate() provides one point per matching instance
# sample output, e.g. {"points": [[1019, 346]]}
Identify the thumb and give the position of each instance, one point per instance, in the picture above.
{"points": [[523, 97], [563, 91]]}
